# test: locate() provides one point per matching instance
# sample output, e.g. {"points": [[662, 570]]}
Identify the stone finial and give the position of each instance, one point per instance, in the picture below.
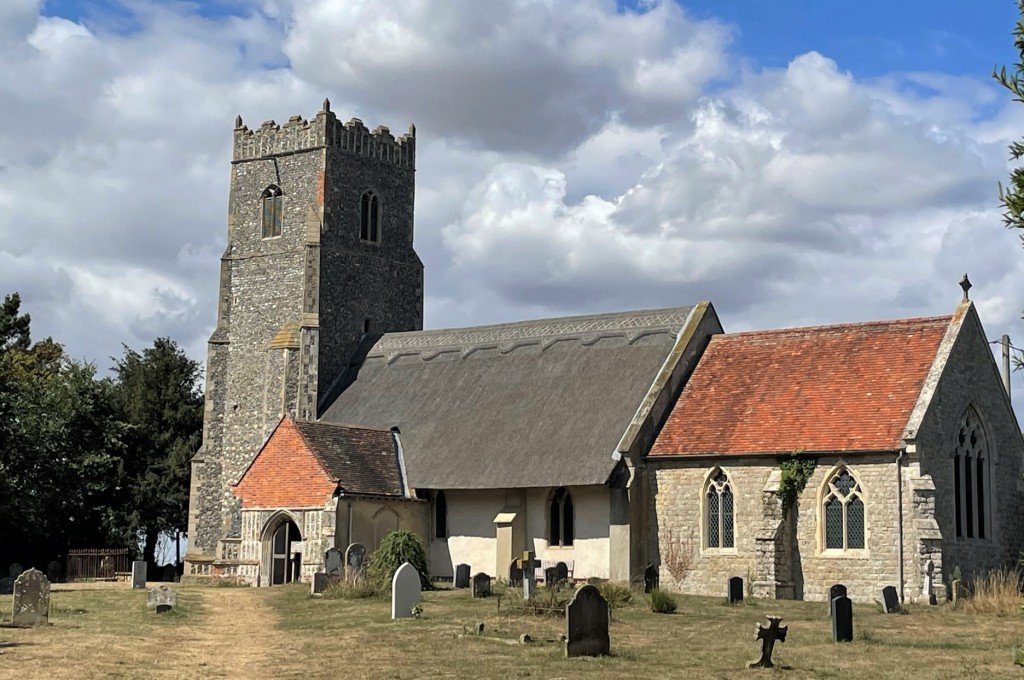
{"points": [[238, 122], [326, 108], [965, 283], [412, 130]]}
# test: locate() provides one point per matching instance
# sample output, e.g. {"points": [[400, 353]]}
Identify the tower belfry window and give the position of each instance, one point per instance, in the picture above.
{"points": [[273, 211], [369, 217]]}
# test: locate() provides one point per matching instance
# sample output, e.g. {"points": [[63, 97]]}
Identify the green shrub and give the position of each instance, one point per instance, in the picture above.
{"points": [[545, 602], [662, 602], [360, 590], [617, 594], [395, 548]]}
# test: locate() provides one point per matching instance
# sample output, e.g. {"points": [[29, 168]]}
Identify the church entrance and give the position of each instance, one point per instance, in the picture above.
{"points": [[285, 562]]}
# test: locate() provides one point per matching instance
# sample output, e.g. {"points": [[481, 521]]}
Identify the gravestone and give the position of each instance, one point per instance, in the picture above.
{"points": [[529, 576], [31, 599], [15, 571], [321, 582], [842, 619], [355, 557], [651, 578], [53, 571], [138, 574], [550, 577], [838, 590], [162, 599], [481, 585], [928, 589], [462, 576], [736, 590], [768, 635], [405, 591], [957, 590], [586, 623], [332, 562], [169, 574], [515, 574], [890, 600], [6, 585], [561, 572]]}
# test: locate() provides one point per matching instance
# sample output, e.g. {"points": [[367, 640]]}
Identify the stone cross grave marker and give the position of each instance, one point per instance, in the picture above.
{"points": [[462, 576], [838, 590], [550, 577], [405, 591], [561, 572], [735, 590], [529, 576], [768, 635], [890, 600], [515, 574], [138, 574], [53, 571], [928, 589], [15, 571], [31, 599], [332, 562], [842, 619], [651, 578], [162, 599], [481, 585], [6, 585], [355, 558], [586, 623]]}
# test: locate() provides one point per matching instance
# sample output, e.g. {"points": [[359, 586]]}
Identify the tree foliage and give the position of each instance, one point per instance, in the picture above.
{"points": [[395, 548], [1011, 197]]}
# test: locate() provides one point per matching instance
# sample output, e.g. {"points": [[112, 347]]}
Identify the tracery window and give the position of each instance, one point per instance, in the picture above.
{"points": [[843, 512], [718, 512], [560, 518], [369, 217], [970, 478], [273, 211]]}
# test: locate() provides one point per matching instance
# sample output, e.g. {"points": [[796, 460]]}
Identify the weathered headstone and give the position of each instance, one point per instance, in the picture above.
{"points": [[6, 585], [736, 590], [162, 599], [768, 635], [561, 572], [586, 623], [842, 619], [838, 590], [405, 591], [462, 576], [31, 599], [332, 561], [550, 577], [890, 600], [320, 583], [15, 571], [53, 571], [515, 574], [355, 557], [481, 585], [138, 574], [651, 578], [957, 590]]}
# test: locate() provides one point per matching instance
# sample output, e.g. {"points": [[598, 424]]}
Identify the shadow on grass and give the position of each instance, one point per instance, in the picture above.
{"points": [[4, 644]]}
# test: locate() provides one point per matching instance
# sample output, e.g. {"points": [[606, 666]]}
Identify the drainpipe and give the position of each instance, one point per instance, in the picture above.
{"points": [[899, 513]]}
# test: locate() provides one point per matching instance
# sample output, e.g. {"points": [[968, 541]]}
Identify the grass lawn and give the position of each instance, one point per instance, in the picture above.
{"points": [[284, 633]]}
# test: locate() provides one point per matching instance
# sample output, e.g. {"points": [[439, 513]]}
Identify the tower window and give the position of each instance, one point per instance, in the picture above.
{"points": [[273, 211], [369, 217]]}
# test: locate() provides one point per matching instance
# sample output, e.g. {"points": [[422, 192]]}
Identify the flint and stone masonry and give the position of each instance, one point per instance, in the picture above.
{"points": [[293, 308]]}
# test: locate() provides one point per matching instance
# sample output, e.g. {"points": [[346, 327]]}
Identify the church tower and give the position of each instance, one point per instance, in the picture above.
{"points": [[319, 255]]}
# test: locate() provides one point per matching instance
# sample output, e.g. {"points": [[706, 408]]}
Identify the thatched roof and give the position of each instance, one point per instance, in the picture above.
{"points": [[531, 404]]}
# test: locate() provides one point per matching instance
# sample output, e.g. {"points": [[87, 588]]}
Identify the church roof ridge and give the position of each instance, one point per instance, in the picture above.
{"points": [[885, 325]]}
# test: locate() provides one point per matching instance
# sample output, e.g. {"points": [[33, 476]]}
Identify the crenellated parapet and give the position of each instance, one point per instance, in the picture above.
{"points": [[324, 131]]}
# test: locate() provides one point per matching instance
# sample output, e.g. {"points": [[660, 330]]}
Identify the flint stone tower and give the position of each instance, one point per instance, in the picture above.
{"points": [[319, 255]]}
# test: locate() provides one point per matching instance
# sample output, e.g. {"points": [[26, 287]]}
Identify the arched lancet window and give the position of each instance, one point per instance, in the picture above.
{"points": [[440, 515], [560, 519], [719, 520], [970, 478], [273, 211], [842, 512], [369, 217]]}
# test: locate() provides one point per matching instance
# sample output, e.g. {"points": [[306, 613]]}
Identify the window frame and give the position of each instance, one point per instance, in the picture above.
{"points": [[562, 497], [718, 482], [970, 507], [371, 217], [828, 492], [275, 196], [440, 507]]}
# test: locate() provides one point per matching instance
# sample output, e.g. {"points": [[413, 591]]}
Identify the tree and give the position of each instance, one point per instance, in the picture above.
{"points": [[1012, 197], [159, 398]]}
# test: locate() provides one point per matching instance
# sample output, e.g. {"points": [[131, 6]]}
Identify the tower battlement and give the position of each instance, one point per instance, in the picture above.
{"points": [[324, 131]]}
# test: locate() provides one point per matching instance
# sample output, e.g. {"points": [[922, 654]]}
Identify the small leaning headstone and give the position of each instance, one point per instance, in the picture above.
{"points": [[481, 585], [31, 599], [550, 577], [837, 590], [650, 578], [957, 588], [320, 583], [586, 623], [162, 599], [405, 591], [561, 572], [332, 561], [768, 635], [138, 574], [890, 600], [355, 556], [735, 590], [515, 574], [462, 576], [842, 619]]}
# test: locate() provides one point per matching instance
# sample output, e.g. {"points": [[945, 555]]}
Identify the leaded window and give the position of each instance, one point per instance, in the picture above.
{"points": [[440, 515], [369, 217], [560, 519], [273, 211], [970, 478], [719, 520], [843, 513]]}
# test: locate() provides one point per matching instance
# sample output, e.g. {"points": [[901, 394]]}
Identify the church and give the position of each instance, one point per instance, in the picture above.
{"points": [[866, 454]]}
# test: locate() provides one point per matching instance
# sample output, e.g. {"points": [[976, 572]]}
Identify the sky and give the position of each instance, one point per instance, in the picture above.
{"points": [[793, 162]]}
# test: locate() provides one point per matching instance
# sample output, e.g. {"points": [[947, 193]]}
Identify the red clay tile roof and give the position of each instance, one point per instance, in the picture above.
{"points": [[828, 388]]}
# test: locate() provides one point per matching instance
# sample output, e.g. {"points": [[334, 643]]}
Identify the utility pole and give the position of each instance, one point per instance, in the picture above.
{"points": [[1006, 363]]}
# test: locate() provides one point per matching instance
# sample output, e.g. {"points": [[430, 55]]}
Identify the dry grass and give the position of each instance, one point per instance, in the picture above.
{"points": [[996, 593], [284, 633]]}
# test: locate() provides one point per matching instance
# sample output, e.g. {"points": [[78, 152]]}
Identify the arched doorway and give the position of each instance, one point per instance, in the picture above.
{"points": [[285, 563]]}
